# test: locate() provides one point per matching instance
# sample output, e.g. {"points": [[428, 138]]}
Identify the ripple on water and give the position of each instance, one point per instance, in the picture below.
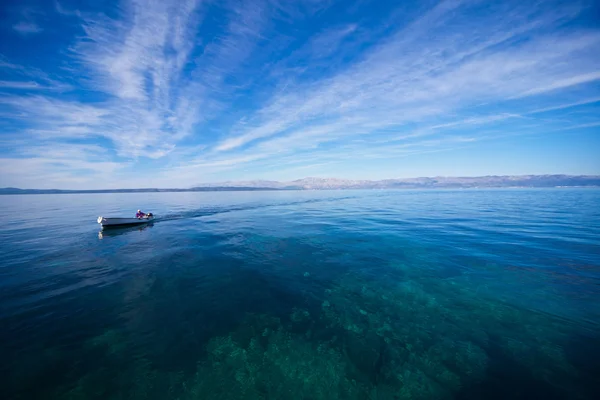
{"points": [[322, 295]]}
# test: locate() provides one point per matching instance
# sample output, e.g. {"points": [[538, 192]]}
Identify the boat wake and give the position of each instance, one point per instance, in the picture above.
{"points": [[208, 211]]}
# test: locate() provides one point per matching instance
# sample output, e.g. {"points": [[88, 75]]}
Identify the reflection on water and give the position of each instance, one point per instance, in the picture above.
{"points": [[107, 232]]}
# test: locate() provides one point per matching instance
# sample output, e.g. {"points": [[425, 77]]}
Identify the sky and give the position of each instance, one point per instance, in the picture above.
{"points": [[153, 93]]}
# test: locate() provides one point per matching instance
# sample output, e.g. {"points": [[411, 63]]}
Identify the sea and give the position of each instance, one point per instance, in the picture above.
{"points": [[374, 294]]}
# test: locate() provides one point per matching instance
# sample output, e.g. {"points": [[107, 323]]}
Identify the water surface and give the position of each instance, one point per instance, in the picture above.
{"points": [[448, 294]]}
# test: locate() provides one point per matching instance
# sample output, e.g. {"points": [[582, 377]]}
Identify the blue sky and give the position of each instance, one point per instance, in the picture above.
{"points": [[152, 93]]}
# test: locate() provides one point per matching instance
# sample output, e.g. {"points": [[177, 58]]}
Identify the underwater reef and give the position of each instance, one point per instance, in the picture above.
{"points": [[373, 342], [411, 336]]}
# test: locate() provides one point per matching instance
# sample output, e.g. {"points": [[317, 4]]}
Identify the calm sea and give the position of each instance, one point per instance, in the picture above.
{"points": [[448, 294]]}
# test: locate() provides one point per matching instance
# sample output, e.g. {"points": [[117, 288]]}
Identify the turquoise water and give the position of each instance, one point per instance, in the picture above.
{"points": [[467, 294]]}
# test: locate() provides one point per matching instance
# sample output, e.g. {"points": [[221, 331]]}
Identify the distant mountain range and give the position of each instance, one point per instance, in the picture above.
{"points": [[532, 181], [424, 183]]}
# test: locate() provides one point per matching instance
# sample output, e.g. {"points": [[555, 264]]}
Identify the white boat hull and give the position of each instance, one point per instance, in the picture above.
{"points": [[106, 221]]}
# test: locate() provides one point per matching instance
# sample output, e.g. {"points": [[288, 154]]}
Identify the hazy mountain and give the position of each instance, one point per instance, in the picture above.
{"points": [[257, 183], [336, 184], [435, 182]]}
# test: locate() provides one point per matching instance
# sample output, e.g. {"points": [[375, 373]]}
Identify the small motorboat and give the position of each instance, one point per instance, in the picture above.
{"points": [[110, 222]]}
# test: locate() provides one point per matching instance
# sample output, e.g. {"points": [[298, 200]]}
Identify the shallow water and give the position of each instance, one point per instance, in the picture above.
{"points": [[450, 294]]}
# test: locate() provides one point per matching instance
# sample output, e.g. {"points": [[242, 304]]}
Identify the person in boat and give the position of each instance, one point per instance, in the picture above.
{"points": [[140, 214]]}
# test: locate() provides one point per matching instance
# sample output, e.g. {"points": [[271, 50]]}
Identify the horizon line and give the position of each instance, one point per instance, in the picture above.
{"points": [[219, 185]]}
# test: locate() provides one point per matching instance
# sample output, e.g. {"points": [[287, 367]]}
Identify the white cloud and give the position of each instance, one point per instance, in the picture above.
{"points": [[563, 83], [27, 24], [54, 116], [157, 85], [26, 27], [429, 70], [29, 78], [31, 85], [582, 126], [61, 9], [20, 85], [38, 166], [564, 106], [206, 88], [138, 62]]}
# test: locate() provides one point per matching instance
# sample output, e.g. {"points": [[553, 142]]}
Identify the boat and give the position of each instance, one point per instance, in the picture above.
{"points": [[110, 222]]}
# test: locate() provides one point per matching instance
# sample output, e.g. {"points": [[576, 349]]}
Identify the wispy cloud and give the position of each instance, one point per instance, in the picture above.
{"points": [[63, 10], [136, 60], [563, 83], [198, 88], [21, 85], [402, 81], [565, 106], [37, 166], [27, 24], [26, 28], [582, 126], [22, 77]]}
